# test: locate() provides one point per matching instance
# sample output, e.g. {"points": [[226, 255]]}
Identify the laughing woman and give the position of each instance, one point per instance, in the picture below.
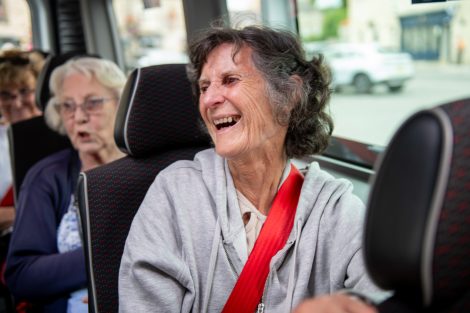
{"points": [[46, 264], [240, 228]]}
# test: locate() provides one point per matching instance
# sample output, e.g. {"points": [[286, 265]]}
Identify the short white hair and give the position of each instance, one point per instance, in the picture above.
{"points": [[104, 71]]}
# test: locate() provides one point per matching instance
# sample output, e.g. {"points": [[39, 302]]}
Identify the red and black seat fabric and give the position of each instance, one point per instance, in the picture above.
{"points": [[417, 234], [157, 124]]}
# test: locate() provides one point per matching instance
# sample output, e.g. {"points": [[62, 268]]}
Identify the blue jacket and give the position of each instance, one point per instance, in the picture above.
{"points": [[35, 270]]}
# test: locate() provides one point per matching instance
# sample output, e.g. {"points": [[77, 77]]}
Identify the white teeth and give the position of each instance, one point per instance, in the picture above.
{"points": [[229, 119]]}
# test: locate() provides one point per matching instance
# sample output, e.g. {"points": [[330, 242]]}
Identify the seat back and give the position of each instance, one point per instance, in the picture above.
{"points": [[157, 124], [417, 234], [30, 141]]}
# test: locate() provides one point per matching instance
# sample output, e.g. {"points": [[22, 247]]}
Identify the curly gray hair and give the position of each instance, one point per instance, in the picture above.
{"points": [[106, 73], [278, 55]]}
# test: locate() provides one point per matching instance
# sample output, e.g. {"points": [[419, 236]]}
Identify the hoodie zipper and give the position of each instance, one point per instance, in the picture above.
{"points": [[261, 305]]}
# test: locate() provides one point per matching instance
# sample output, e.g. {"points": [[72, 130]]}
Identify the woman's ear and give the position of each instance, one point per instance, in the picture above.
{"points": [[293, 98], [297, 90]]}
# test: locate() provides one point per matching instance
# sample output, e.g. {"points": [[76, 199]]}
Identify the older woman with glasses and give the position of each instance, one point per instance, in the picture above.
{"points": [[46, 264]]}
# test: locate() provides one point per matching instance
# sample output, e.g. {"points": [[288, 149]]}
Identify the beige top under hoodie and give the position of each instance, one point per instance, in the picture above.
{"points": [[255, 220]]}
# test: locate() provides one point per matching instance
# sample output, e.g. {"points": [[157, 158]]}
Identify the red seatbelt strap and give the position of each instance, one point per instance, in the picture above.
{"points": [[7, 199], [249, 288]]}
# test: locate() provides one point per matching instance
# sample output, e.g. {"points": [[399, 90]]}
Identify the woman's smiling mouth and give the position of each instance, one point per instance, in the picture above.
{"points": [[226, 121]]}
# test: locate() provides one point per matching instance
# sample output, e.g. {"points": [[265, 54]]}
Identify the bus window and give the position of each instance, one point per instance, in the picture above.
{"points": [[389, 58], [274, 13], [15, 25], [151, 32], [407, 57]]}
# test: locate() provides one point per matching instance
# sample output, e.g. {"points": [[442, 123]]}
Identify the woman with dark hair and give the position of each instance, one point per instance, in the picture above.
{"points": [[240, 228]]}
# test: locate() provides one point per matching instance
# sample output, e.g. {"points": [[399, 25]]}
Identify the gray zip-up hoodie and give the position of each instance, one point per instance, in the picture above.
{"points": [[187, 243]]}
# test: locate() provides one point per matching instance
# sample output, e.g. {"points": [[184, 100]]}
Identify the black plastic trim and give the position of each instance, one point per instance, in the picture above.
{"points": [[84, 222]]}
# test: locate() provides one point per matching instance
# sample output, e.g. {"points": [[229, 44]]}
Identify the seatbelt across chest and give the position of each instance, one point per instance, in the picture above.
{"points": [[249, 287]]}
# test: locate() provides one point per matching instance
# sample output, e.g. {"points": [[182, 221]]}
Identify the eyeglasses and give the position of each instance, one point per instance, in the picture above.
{"points": [[23, 93], [90, 106]]}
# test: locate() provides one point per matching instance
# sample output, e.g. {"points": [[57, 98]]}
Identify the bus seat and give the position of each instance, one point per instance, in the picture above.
{"points": [[417, 229], [30, 141], [157, 123]]}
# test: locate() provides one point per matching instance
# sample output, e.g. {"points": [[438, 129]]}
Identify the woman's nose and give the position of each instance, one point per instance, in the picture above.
{"points": [[212, 96], [17, 102], [80, 114]]}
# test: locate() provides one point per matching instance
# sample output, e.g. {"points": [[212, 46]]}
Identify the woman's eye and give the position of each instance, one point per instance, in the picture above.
{"points": [[202, 89], [93, 104], [230, 80], [24, 91], [68, 105]]}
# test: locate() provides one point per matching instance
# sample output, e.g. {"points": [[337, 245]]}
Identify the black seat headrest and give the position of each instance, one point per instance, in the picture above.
{"points": [[42, 86], [417, 233], [141, 129]]}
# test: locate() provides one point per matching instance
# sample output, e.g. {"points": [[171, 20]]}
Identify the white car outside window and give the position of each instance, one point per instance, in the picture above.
{"points": [[366, 65]]}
